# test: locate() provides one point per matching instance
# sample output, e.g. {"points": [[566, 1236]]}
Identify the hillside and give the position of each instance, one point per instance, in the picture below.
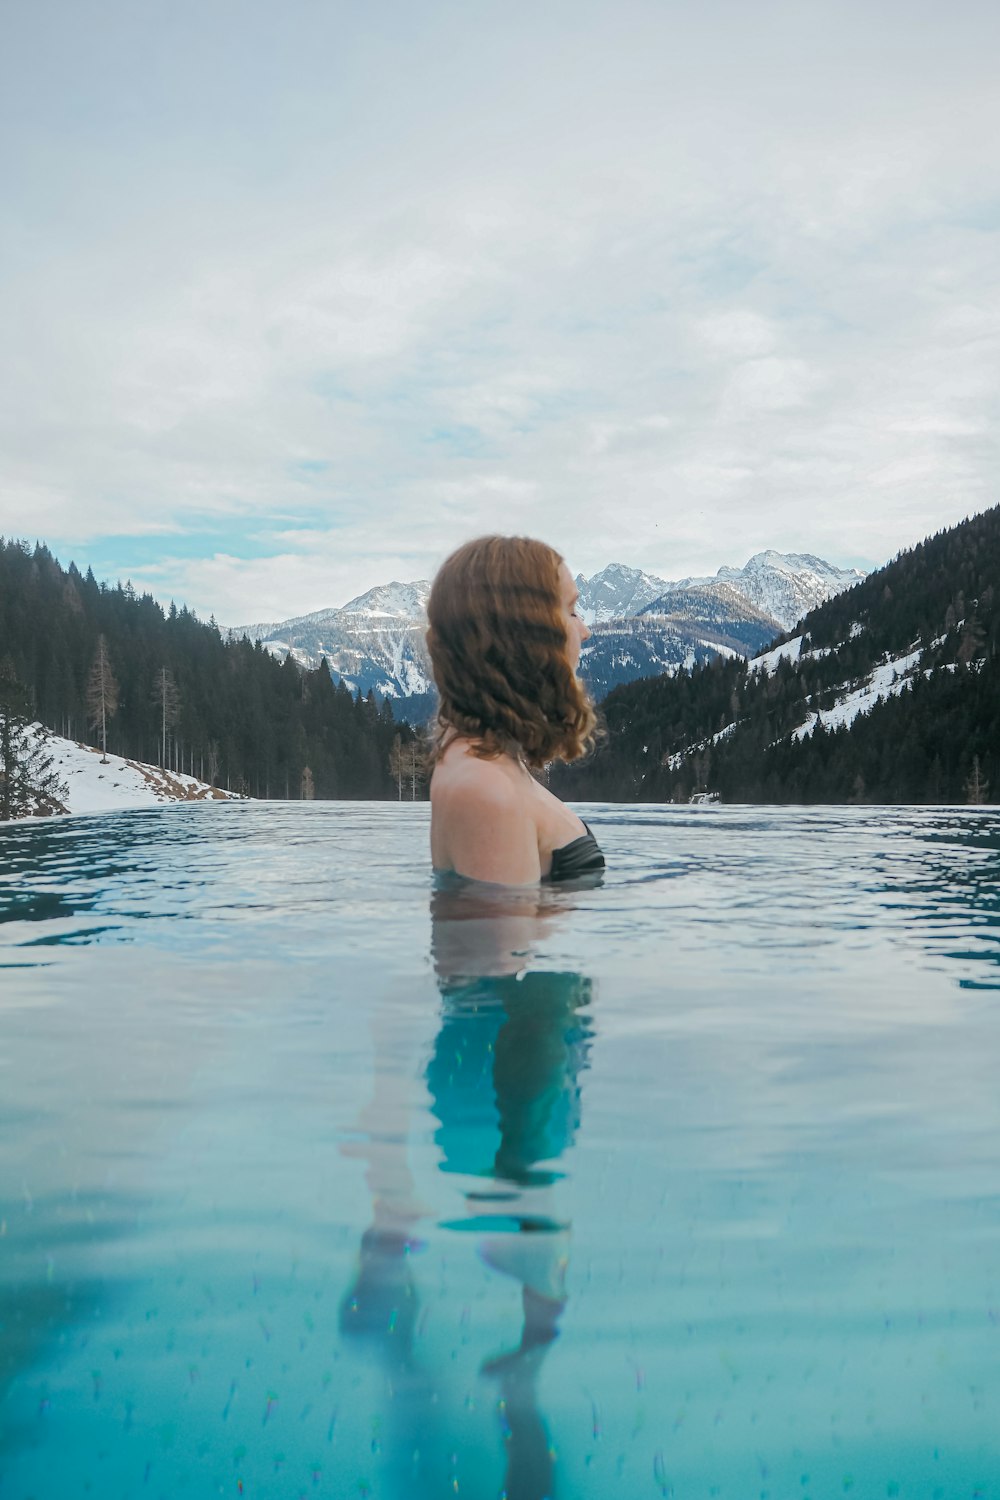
{"points": [[889, 692], [92, 783]]}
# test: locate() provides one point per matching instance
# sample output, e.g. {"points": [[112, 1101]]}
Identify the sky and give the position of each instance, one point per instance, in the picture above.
{"points": [[297, 298]]}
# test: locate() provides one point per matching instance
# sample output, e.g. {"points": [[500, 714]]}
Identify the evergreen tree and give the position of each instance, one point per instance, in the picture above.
{"points": [[409, 759]]}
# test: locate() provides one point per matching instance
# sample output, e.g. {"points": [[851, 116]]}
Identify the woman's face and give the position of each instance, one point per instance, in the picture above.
{"points": [[576, 631]]}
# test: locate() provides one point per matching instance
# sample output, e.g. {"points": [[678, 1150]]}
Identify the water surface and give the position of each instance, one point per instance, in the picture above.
{"points": [[313, 1183]]}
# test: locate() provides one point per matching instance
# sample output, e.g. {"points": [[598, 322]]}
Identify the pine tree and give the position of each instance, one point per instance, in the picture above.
{"points": [[212, 760], [28, 781], [102, 695]]}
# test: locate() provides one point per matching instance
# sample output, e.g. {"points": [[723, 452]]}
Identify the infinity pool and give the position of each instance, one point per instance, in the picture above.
{"points": [[315, 1182]]}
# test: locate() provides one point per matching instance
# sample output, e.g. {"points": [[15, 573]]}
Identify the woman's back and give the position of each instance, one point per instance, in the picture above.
{"points": [[491, 820]]}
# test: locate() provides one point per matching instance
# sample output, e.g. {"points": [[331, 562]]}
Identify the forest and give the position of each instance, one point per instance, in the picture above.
{"points": [[172, 692]]}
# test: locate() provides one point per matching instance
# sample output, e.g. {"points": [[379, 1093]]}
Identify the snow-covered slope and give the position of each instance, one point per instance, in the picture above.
{"points": [[889, 678], [93, 785], [391, 601]]}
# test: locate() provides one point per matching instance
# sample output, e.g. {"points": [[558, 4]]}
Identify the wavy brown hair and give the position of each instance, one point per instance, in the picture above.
{"points": [[497, 642]]}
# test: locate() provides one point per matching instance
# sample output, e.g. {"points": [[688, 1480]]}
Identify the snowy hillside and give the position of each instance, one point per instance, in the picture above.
{"points": [[892, 675], [93, 785]]}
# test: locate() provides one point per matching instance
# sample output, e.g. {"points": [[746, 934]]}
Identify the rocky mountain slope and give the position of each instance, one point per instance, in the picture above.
{"points": [[373, 641]]}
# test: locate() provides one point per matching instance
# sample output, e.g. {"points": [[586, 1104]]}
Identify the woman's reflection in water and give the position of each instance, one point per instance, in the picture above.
{"points": [[503, 1079]]}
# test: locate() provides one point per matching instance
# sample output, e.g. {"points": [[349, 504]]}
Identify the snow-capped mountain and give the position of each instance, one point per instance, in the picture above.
{"points": [[391, 601], [373, 641], [377, 640], [617, 593], [781, 585], [784, 585]]}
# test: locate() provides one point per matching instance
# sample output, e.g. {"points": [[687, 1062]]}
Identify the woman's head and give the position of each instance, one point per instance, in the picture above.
{"points": [[504, 645]]}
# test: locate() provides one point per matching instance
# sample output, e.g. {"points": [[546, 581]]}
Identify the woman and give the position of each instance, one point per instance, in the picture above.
{"points": [[504, 639]]}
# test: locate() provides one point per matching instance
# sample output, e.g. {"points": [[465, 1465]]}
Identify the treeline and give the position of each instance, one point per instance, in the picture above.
{"points": [[726, 729], [227, 712]]}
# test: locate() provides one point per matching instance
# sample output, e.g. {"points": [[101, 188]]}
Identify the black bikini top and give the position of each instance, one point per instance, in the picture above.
{"points": [[580, 857]]}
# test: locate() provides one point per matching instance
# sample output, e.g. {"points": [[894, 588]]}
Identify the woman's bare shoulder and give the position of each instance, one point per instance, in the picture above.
{"points": [[462, 780], [482, 823]]}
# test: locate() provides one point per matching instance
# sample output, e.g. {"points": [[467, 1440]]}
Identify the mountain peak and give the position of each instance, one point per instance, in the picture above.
{"points": [[398, 600], [787, 585], [617, 592]]}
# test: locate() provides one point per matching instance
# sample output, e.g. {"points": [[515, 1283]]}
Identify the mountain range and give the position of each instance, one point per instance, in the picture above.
{"points": [[642, 625]]}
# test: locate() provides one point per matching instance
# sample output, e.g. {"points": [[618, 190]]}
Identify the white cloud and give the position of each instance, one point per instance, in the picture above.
{"points": [[768, 385], [665, 285], [739, 334]]}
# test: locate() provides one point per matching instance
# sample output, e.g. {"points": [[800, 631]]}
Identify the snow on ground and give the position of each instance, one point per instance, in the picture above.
{"points": [[891, 678], [768, 662], [675, 761], [93, 786]]}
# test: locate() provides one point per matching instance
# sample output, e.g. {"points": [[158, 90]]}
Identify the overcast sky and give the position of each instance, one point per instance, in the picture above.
{"points": [[295, 298]]}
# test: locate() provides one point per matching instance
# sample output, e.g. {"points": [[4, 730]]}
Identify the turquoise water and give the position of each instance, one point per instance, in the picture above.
{"points": [[315, 1183]]}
